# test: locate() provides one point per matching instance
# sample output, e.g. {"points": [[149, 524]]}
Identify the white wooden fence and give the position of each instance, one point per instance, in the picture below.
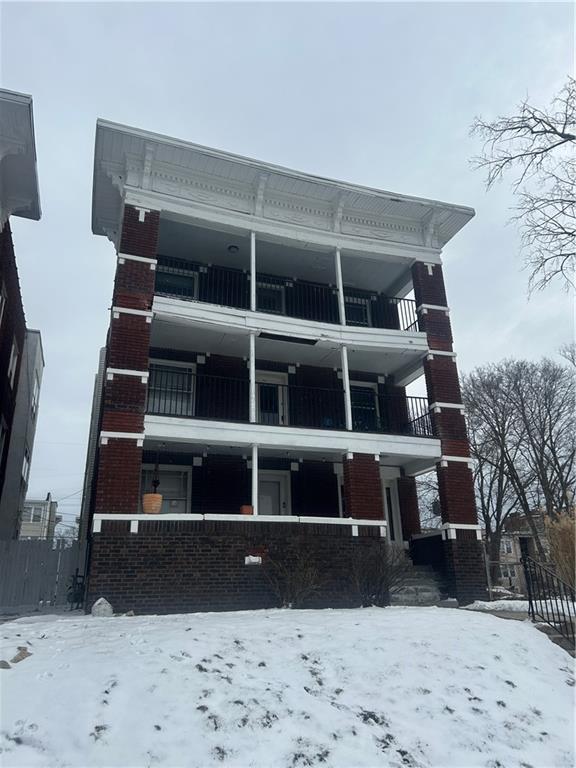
{"points": [[35, 575]]}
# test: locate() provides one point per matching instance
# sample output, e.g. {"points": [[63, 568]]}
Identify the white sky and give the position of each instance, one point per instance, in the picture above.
{"points": [[381, 94]]}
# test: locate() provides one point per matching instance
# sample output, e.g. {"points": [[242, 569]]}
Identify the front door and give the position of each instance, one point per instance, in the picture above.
{"points": [[274, 493]]}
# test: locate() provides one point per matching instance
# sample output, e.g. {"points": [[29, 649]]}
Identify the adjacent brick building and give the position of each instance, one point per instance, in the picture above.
{"points": [[264, 327], [18, 356]]}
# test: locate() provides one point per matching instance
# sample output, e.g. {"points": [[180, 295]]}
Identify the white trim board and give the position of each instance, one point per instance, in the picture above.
{"points": [[122, 257], [205, 432], [111, 372]]}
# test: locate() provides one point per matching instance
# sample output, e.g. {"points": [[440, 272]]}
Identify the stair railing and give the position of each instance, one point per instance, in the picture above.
{"points": [[550, 599]]}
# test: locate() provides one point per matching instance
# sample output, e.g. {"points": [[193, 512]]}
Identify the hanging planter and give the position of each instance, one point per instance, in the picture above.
{"points": [[152, 502]]}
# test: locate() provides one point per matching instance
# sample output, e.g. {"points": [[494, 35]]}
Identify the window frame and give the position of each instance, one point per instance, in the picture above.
{"points": [[13, 362]]}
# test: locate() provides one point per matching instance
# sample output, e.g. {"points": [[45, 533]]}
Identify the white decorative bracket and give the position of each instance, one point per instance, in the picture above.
{"points": [[133, 526], [294, 466], [142, 213]]}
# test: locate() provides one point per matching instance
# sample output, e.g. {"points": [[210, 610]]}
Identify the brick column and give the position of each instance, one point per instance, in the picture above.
{"points": [[408, 500], [124, 398], [464, 564], [362, 487]]}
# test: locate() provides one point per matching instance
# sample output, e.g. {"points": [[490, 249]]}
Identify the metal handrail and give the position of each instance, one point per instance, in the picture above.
{"points": [[302, 299], [178, 391], [550, 599]]}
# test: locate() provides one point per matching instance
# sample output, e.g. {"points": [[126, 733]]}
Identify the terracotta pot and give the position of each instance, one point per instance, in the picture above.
{"points": [[151, 503], [246, 509]]}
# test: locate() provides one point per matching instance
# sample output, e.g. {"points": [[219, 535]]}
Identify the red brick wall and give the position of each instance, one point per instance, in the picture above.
{"points": [[408, 500], [12, 326], [456, 488], [124, 400], [362, 487]]}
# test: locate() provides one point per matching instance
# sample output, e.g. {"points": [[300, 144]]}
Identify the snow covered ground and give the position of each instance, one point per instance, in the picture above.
{"points": [[402, 687], [521, 606]]}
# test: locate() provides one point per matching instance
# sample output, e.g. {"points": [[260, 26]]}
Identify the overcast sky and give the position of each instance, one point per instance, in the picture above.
{"points": [[376, 94]]}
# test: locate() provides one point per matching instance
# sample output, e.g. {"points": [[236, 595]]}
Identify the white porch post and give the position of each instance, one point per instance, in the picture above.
{"points": [[253, 271], [252, 375], [346, 383], [340, 286], [255, 479]]}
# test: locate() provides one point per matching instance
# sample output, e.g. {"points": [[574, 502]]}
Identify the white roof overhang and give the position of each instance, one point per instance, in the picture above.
{"points": [[133, 163], [19, 194]]}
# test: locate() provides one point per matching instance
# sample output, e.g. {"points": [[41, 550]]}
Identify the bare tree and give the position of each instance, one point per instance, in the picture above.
{"points": [[537, 146], [490, 424], [521, 421], [568, 352], [428, 500]]}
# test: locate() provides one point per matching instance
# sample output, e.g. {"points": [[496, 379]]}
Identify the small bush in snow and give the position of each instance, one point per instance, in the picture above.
{"points": [[377, 571], [293, 583]]}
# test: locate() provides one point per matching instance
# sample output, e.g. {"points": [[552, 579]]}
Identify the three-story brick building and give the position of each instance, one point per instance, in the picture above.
{"points": [[264, 327]]}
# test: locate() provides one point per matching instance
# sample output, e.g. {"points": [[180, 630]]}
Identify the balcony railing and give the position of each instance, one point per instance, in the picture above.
{"points": [[284, 296], [180, 392]]}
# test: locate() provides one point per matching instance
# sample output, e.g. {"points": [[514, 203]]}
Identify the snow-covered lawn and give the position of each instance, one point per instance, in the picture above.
{"points": [[368, 687]]}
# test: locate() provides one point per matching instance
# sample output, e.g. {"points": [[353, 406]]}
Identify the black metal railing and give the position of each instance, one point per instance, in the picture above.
{"points": [[550, 600], [178, 391], [301, 299]]}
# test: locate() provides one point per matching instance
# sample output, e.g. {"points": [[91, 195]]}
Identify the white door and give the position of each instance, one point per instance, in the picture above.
{"points": [[273, 493]]}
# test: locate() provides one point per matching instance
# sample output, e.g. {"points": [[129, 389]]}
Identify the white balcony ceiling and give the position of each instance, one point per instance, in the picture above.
{"points": [[200, 339], [211, 246]]}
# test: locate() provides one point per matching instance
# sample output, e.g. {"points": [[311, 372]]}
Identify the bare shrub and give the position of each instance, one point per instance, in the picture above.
{"points": [[377, 571], [560, 530], [293, 582]]}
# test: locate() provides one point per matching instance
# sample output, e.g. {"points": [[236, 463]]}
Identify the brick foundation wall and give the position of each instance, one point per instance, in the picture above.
{"points": [[170, 567], [362, 487]]}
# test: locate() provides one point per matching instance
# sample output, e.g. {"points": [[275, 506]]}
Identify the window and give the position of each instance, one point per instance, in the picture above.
{"points": [[35, 393], [175, 487], [3, 435], [358, 310], [365, 410], [13, 364], [36, 515], [508, 571], [176, 282], [270, 297], [507, 546], [26, 465], [171, 390], [3, 299]]}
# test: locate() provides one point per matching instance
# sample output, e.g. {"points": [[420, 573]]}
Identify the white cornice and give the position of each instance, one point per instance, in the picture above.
{"points": [[291, 231], [178, 169]]}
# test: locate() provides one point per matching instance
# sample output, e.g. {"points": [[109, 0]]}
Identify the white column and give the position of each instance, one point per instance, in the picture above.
{"points": [[253, 271], [255, 479], [340, 286], [346, 383], [252, 375]]}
